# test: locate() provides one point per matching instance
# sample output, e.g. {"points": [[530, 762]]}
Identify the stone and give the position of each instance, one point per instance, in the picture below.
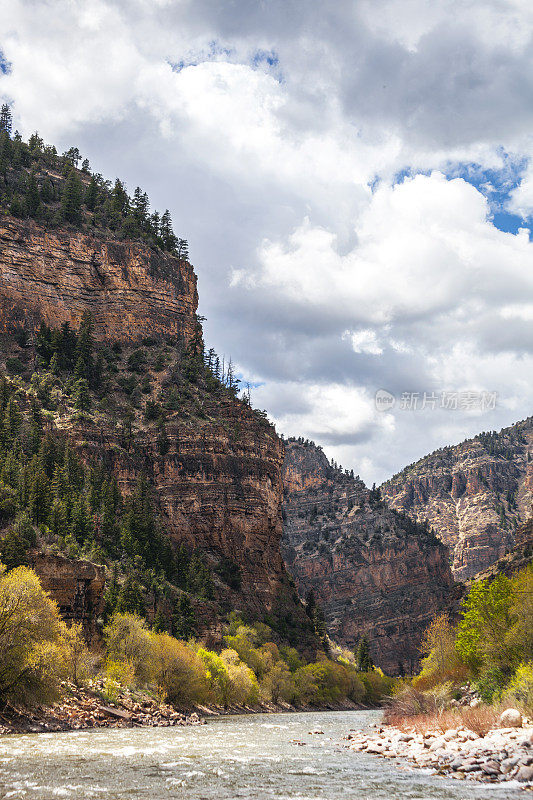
{"points": [[524, 774], [511, 717]]}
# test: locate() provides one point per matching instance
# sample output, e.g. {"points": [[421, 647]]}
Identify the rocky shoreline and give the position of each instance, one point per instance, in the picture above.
{"points": [[502, 754], [82, 708], [88, 707]]}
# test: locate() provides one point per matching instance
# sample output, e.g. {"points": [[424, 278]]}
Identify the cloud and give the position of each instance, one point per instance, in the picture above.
{"points": [[337, 169]]}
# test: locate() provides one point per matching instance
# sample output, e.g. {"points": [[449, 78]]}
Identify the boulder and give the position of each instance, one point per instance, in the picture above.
{"points": [[524, 774], [511, 718]]}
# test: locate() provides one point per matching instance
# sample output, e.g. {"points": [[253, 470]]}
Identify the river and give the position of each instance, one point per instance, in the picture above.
{"points": [[230, 757]]}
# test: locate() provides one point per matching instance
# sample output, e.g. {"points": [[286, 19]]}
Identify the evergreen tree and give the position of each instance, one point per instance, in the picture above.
{"points": [[71, 198], [82, 396], [130, 598], [363, 659], [183, 618], [91, 194], [33, 200], [166, 232], [6, 119]]}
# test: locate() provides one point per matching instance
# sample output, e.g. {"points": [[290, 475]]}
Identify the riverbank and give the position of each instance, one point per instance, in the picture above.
{"points": [[502, 754], [90, 707]]}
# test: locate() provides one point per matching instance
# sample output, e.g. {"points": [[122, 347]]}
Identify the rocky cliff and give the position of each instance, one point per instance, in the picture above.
{"points": [[372, 569], [214, 465], [54, 275], [473, 495]]}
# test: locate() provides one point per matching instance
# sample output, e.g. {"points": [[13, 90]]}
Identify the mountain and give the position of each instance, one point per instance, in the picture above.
{"points": [[474, 495], [122, 441], [372, 569]]}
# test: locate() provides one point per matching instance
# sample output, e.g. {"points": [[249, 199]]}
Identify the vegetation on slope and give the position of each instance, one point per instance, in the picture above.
{"points": [[38, 651], [38, 183], [490, 649]]}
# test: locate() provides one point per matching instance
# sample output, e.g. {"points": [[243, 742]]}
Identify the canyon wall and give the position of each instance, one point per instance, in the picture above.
{"points": [[373, 571], [218, 485], [474, 495], [54, 275]]}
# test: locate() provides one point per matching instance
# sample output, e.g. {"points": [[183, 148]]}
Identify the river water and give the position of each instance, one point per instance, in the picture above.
{"points": [[230, 757]]}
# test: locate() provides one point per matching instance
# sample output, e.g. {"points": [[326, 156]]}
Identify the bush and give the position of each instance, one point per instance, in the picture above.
{"points": [[32, 653], [520, 689], [79, 661], [129, 641], [490, 683], [179, 671]]}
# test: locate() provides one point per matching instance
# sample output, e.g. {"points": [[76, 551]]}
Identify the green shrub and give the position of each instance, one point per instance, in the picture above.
{"points": [[520, 689]]}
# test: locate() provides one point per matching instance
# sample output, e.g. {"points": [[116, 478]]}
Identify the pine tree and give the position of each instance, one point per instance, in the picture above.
{"points": [[82, 396], [130, 598], [166, 232], [183, 618], [33, 200], [182, 249], [363, 659], [6, 119], [71, 199], [119, 198], [91, 194]]}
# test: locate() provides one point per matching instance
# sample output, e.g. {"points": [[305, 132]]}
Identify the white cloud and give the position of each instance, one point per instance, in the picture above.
{"points": [[320, 286]]}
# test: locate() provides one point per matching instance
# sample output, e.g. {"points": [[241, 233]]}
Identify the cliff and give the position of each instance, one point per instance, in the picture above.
{"points": [[372, 570], [154, 411], [473, 495], [55, 275]]}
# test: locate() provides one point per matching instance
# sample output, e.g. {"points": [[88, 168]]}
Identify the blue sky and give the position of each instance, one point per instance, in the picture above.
{"points": [[354, 180]]}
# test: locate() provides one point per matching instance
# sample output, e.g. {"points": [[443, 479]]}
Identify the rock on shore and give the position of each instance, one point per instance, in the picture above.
{"points": [[90, 708], [503, 754]]}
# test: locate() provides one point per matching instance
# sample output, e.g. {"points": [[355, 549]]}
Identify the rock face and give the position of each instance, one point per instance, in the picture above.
{"points": [[219, 490], [473, 495], [76, 586], [218, 487], [373, 570], [131, 290]]}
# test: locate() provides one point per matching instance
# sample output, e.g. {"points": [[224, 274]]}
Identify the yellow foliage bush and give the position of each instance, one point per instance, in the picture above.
{"points": [[32, 651]]}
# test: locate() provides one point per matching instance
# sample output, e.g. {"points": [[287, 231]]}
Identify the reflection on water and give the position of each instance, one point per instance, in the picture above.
{"points": [[235, 757]]}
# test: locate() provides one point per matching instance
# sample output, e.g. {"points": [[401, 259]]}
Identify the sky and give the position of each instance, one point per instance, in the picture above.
{"points": [[355, 180]]}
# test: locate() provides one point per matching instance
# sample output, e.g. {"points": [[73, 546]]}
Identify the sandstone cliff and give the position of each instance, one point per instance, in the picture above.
{"points": [[473, 495], [372, 569], [214, 464], [53, 275]]}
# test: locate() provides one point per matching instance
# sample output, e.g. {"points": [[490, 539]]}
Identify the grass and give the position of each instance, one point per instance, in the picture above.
{"points": [[430, 711], [480, 720]]}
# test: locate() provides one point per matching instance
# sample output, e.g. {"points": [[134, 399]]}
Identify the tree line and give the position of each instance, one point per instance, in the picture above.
{"points": [[38, 183]]}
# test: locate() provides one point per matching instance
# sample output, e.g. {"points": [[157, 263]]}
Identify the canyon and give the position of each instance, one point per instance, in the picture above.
{"points": [[373, 570], [217, 482], [378, 561], [474, 495]]}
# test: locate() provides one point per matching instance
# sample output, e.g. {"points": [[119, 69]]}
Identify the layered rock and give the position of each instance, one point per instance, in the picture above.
{"points": [[473, 494], [54, 275], [77, 586], [218, 486], [218, 489], [373, 570]]}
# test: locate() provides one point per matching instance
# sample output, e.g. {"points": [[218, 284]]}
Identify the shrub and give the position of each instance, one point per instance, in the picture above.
{"points": [[79, 661], [490, 683], [441, 662], [129, 641], [32, 656], [520, 689], [179, 671]]}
